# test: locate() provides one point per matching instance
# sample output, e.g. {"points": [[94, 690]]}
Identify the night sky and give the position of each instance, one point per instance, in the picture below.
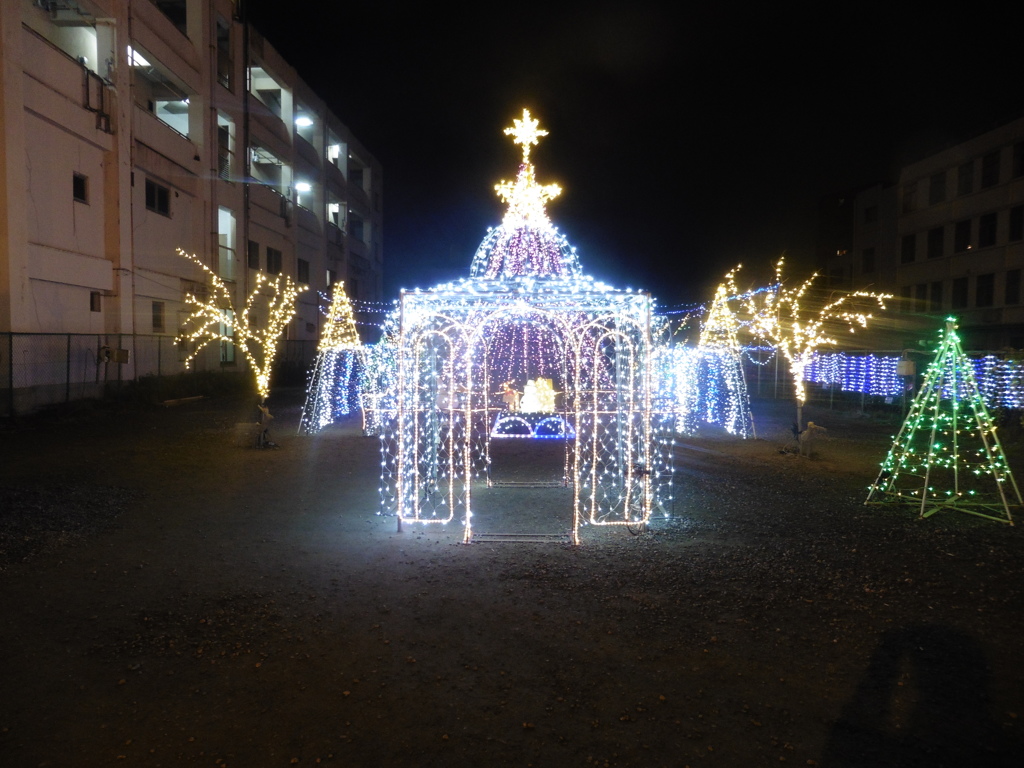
{"points": [[686, 138]]}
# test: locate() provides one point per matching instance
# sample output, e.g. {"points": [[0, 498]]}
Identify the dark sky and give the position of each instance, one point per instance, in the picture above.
{"points": [[685, 138]]}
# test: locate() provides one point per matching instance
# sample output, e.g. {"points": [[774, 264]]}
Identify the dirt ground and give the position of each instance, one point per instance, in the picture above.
{"points": [[172, 599]]}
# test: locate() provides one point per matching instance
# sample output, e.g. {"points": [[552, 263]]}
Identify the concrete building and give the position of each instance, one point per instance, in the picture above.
{"points": [[131, 128], [948, 238]]}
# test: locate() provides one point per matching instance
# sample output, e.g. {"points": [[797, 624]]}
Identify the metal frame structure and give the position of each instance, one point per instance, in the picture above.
{"points": [[438, 446]]}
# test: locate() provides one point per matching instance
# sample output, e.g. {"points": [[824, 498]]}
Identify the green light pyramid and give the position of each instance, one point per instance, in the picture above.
{"points": [[947, 454]]}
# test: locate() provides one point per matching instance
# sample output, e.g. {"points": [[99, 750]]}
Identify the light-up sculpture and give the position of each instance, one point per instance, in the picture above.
{"points": [[378, 379], [333, 389], [947, 454], [723, 388], [527, 312], [780, 317], [215, 320]]}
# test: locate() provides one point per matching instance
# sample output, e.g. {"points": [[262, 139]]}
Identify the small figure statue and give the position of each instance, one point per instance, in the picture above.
{"points": [[509, 396], [263, 419]]}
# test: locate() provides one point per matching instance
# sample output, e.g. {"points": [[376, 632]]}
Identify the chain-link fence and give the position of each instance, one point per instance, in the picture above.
{"points": [[43, 369]]}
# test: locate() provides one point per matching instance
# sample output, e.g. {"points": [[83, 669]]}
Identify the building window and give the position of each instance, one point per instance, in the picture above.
{"points": [[908, 246], [965, 178], [990, 170], [253, 255], [1018, 159], [157, 90], [1017, 222], [302, 271], [935, 297], [936, 241], [958, 299], [921, 297], [223, 151], [937, 188], [225, 64], [95, 301], [158, 198], [227, 333], [158, 317], [985, 290], [871, 214], [176, 11], [273, 261], [80, 188], [904, 303], [264, 86], [1013, 286], [355, 226], [987, 230], [910, 198], [332, 277], [867, 260], [962, 236], [268, 169]]}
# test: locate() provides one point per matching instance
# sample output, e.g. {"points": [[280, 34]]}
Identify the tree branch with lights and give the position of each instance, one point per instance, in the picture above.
{"points": [[780, 316], [258, 345]]}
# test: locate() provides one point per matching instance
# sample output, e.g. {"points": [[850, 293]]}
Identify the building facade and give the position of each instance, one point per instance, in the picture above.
{"points": [[948, 239], [131, 128]]}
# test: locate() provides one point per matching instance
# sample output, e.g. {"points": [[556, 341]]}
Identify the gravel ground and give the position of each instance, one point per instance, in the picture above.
{"points": [[173, 599]]}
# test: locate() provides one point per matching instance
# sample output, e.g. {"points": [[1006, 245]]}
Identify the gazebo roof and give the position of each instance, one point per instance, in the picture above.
{"points": [[526, 243]]}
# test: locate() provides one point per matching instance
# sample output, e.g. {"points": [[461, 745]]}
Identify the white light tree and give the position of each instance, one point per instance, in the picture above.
{"points": [[724, 398], [215, 320], [331, 392], [780, 316]]}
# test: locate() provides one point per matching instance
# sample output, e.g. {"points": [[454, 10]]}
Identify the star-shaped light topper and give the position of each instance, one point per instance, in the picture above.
{"points": [[525, 197], [526, 132]]}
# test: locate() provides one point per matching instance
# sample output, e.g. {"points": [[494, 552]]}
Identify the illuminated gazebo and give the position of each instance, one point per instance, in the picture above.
{"points": [[527, 348]]}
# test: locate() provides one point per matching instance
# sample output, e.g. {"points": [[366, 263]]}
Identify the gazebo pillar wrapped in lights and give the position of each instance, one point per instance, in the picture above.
{"points": [[526, 320]]}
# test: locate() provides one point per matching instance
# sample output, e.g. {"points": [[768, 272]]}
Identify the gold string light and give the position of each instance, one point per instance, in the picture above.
{"points": [[779, 317], [258, 345]]}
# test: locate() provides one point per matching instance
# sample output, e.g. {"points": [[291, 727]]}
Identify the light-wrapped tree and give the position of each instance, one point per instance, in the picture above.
{"points": [[786, 318], [214, 319]]}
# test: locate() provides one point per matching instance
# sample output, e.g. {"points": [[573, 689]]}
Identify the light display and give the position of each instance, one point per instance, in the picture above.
{"points": [[526, 314], [722, 386], [538, 396], [947, 454], [339, 331], [780, 317], [378, 379], [1000, 380], [333, 389], [215, 320], [676, 386], [870, 374], [526, 244]]}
